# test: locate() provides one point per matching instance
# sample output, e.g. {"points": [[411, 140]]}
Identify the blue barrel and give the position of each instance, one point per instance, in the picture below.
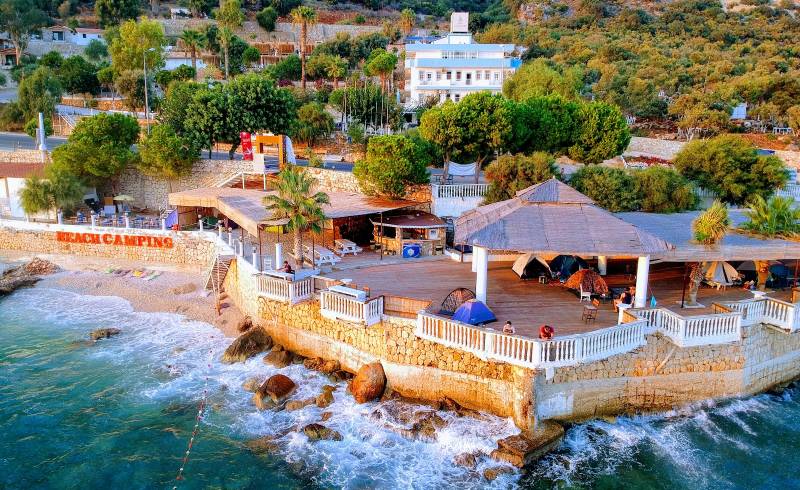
{"points": [[412, 251]]}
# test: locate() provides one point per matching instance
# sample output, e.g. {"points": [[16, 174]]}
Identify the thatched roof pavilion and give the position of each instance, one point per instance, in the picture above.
{"points": [[552, 218]]}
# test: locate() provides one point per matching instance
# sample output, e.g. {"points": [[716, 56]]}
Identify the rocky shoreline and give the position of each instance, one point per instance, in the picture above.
{"points": [[410, 418]]}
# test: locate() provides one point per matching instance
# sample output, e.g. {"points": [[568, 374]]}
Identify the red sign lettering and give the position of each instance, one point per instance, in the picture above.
{"points": [[113, 239]]}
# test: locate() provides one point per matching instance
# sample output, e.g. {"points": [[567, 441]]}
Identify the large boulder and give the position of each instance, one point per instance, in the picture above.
{"points": [[244, 324], [324, 399], [329, 367], [247, 345], [279, 359], [318, 432], [520, 449], [251, 385], [293, 405], [40, 267], [278, 387], [369, 383], [104, 333]]}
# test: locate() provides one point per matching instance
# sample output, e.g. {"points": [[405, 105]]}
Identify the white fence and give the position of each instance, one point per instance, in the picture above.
{"points": [[458, 190], [532, 353], [768, 310], [790, 190], [278, 289], [693, 331], [336, 306]]}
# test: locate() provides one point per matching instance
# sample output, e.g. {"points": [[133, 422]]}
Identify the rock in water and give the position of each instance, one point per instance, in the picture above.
{"points": [[279, 359], [245, 324], [329, 367], [491, 474], [369, 383], [293, 405], [277, 387], [520, 450], [263, 445], [324, 399], [313, 363], [467, 460], [247, 345], [251, 385], [104, 333], [317, 432]]}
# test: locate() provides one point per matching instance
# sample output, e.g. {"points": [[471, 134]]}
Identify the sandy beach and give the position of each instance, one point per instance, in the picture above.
{"points": [[176, 290]]}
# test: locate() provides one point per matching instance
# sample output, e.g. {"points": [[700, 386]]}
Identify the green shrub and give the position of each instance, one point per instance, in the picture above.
{"points": [[511, 173], [611, 188], [392, 164], [663, 190]]}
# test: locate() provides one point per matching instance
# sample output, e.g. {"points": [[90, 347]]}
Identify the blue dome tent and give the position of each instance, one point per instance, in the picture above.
{"points": [[474, 312], [566, 265]]}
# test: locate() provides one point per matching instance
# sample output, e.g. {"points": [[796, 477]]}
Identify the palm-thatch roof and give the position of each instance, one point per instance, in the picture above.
{"points": [[246, 207], [554, 218]]}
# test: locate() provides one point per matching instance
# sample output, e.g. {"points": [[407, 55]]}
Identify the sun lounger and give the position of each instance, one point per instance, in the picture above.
{"points": [[344, 247]]}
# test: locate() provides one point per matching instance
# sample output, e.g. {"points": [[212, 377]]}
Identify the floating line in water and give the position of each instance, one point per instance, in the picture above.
{"points": [[200, 409]]}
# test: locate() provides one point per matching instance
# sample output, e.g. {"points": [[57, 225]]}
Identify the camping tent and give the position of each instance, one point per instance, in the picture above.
{"points": [[474, 312], [566, 265], [721, 273], [588, 280], [530, 266]]}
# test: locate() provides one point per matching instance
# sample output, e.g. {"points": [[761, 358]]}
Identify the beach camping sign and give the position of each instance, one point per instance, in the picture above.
{"points": [[115, 239]]}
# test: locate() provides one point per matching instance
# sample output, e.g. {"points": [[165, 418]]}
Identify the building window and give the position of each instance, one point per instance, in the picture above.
{"points": [[58, 35], [458, 97], [469, 78], [458, 75], [421, 76], [438, 76], [486, 75], [477, 75], [84, 36], [427, 77], [496, 77], [449, 75]]}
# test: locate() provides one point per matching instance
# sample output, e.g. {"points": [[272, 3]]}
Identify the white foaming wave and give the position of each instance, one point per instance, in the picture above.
{"points": [[179, 350]]}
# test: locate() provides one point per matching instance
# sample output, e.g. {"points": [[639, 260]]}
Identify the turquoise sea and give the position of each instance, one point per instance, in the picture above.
{"points": [[119, 414]]}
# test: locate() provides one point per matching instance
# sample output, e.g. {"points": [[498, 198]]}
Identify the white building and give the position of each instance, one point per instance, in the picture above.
{"points": [[12, 181], [456, 65], [80, 36]]}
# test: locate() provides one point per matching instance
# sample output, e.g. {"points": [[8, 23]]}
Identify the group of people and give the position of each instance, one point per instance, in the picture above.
{"points": [[626, 298], [546, 332]]}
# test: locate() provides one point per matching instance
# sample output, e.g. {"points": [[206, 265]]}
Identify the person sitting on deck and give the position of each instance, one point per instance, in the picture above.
{"points": [[508, 328], [626, 298], [287, 268], [546, 332]]}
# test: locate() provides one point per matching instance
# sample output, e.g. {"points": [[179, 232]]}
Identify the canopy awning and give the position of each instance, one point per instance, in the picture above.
{"points": [[246, 207]]}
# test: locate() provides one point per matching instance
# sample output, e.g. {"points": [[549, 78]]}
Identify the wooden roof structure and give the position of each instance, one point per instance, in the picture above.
{"points": [[416, 219], [246, 206], [553, 218], [677, 229]]}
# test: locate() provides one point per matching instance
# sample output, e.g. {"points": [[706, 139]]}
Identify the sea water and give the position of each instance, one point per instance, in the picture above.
{"points": [[120, 413]]}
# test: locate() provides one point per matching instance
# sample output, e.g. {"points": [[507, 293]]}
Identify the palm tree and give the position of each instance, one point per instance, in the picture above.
{"points": [[35, 197], [708, 228], [407, 19], [296, 203], [776, 217], [229, 17], [193, 41], [336, 69], [303, 16]]}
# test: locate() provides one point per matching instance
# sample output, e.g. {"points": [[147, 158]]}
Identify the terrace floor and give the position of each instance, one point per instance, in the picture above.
{"points": [[528, 304]]}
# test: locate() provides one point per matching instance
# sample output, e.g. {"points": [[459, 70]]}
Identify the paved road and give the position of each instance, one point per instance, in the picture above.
{"points": [[21, 141]]}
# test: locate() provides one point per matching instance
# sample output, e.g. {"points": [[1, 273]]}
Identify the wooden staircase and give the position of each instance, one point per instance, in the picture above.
{"points": [[215, 275]]}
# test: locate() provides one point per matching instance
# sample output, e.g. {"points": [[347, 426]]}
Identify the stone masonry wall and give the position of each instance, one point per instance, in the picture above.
{"points": [[414, 367], [188, 248], [661, 376]]}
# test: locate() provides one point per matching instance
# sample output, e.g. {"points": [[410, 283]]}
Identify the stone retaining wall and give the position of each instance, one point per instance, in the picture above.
{"points": [[189, 248], [661, 376], [414, 367], [22, 156]]}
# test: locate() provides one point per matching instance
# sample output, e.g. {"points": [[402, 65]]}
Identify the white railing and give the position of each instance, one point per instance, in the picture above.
{"points": [[442, 191], [790, 190], [336, 306], [532, 353], [278, 289], [768, 310], [692, 331]]}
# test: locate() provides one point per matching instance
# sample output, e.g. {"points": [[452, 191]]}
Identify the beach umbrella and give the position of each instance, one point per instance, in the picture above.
{"points": [[566, 265], [124, 197], [721, 273], [589, 280], [474, 312], [529, 266]]}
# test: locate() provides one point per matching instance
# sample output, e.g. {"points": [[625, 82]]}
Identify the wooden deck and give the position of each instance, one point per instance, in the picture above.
{"points": [[527, 304]]}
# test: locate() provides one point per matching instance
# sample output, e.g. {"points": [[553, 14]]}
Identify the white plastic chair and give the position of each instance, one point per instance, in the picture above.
{"points": [[585, 295]]}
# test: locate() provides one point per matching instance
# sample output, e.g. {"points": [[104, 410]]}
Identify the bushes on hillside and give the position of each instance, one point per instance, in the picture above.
{"points": [[511, 173]]}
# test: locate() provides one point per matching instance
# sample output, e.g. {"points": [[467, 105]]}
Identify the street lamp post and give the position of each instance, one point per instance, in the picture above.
{"points": [[146, 104]]}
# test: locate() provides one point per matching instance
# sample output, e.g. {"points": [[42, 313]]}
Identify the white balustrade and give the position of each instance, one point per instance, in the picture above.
{"points": [[283, 290], [768, 310], [458, 190], [337, 306], [532, 353]]}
